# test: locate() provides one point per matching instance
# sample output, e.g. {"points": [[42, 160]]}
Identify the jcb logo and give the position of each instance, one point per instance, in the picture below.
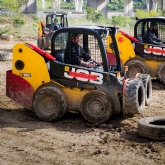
{"points": [[154, 50], [83, 75]]}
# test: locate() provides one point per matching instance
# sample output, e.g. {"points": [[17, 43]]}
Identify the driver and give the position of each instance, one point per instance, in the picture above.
{"points": [[150, 35], [56, 24], [79, 56]]}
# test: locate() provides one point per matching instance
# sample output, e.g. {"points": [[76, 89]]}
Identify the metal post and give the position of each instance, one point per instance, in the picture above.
{"points": [[162, 5], [100, 5], [128, 7], [43, 4], [29, 6], [148, 5], [56, 5]]}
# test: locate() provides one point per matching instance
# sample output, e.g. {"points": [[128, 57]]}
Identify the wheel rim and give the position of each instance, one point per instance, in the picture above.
{"points": [[49, 105], [95, 107]]}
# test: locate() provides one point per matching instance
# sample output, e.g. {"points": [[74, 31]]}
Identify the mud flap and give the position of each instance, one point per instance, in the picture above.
{"points": [[19, 89]]}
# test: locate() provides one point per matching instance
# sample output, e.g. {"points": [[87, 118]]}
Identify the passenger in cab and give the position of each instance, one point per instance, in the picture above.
{"points": [[150, 35]]}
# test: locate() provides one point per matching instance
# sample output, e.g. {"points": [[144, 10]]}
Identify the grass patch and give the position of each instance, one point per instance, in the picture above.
{"points": [[22, 26]]}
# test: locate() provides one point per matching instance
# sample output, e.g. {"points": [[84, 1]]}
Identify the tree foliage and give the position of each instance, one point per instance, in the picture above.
{"points": [[11, 5], [94, 15], [143, 14], [14, 6]]}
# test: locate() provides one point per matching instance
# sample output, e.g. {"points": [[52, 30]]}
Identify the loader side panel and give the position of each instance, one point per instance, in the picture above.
{"points": [[19, 89], [29, 65], [125, 47], [74, 97], [153, 67]]}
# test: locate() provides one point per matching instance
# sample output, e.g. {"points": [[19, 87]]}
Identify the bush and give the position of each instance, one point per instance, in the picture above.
{"points": [[34, 17], [69, 5], [162, 13], [119, 20], [94, 16], [18, 21], [11, 5], [4, 30], [143, 14]]}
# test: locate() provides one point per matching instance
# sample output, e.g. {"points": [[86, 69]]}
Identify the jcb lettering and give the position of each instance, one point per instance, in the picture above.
{"points": [[155, 50], [84, 75]]}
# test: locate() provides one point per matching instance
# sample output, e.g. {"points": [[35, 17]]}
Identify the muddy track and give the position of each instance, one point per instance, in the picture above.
{"points": [[72, 140]]}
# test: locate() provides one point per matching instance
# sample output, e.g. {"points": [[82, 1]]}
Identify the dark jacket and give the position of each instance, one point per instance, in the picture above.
{"points": [[150, 38], [77, 53], [55, 27]]}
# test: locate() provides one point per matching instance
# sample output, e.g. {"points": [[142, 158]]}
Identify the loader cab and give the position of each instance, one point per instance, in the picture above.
{"points": [[62, 19], [144, 47], [93, 41], [44, 27]]}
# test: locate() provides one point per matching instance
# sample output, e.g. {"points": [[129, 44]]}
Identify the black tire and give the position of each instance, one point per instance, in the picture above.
{"points": [[4, 56], [146, 79], [45, 45], [96, 107], [161, 72], [152, 127], [39, 42], [49, 104], [135, 66], [134, 97]]}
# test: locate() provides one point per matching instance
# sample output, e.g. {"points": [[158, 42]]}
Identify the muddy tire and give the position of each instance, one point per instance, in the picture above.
{"points": [[4, 56], [152, 127], [39, 42], [96, 107], [161, 73], [135, 66], [45, 45], [146, 79], [49, 104], [134, 97]]}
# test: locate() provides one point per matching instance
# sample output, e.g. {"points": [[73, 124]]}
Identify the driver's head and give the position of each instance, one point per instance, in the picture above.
{"points": [[76, 37], [55, 20], [154, 26]]}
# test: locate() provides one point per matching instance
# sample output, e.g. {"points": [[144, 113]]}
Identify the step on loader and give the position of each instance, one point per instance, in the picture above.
{"points": [[52, 84]]}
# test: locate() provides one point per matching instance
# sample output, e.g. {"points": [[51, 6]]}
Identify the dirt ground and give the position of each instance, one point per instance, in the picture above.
{"points": [[25, 140]]}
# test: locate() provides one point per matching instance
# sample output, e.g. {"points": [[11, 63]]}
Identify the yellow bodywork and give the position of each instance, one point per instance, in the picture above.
{"points": [[35, 69], [35, 72], [74, 97], [39, 29], [126, 51], [153, 66], [125, 47]]}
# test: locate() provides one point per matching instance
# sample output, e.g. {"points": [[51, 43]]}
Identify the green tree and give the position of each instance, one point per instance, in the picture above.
{"points": [[93, 15], [11, 5], [14, 6]]}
